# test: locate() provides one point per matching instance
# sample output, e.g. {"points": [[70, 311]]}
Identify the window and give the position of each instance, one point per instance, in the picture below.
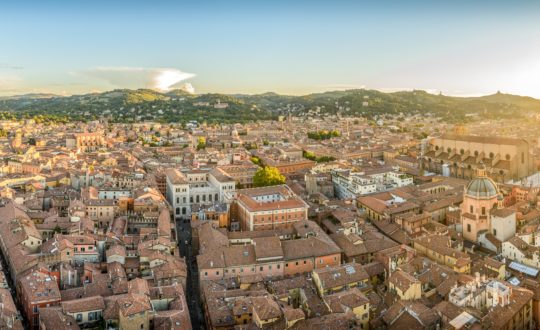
{"points": [[469, 227], [495, 232], [483, 210], [35, 309], [79, 317], [472, 209], [261, 268]]}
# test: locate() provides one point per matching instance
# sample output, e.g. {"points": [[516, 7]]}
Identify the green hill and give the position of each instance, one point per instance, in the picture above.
{"points": [[126, 105]]}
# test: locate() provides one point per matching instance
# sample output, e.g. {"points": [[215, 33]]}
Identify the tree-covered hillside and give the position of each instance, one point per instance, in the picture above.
{"points": [[178, 106]]}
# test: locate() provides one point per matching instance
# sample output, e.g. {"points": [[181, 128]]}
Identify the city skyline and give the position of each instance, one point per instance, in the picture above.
{"points": [[459, 49]]}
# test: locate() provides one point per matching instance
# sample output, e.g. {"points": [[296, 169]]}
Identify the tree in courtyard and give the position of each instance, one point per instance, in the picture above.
{"points": [[201, 143], [268, 176]]}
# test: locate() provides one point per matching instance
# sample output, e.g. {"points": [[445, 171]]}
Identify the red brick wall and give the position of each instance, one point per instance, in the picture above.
{"points": [[270, 221], [331, 260], [304, 266]]}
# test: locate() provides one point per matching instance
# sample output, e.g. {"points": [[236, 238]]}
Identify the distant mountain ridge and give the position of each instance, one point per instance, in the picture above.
{"points": [[29, 96], [178, 105]]}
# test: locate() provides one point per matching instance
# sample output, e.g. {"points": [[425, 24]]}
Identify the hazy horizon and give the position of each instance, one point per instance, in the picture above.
{"points": [[283, 94]]}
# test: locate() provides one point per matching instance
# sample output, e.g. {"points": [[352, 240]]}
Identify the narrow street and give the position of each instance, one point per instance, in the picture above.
{"points": [[13, 290], [192, 286]]}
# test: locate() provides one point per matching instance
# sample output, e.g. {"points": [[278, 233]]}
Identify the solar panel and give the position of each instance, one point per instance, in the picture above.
{"points": [[524, 269], [514, 281]]}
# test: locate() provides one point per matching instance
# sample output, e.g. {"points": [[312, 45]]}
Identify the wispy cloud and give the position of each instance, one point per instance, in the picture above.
{"points": [[10, 67], [342, 87], [162, 79]]}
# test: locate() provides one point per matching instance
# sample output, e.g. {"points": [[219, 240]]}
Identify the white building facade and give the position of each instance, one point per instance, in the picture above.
{"points": [[196, 187]]}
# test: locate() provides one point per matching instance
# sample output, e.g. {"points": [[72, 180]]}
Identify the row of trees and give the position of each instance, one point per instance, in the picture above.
{"points": [[323, 135], [311, 156]]}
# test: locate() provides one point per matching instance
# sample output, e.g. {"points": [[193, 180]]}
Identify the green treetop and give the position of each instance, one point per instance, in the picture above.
{"points": [[268, 176]]}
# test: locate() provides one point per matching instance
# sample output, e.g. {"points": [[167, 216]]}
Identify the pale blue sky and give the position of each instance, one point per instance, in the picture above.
{"points": [[293, 47]]}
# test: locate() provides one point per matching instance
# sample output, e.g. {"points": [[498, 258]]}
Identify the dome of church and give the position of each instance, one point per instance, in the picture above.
{"points": [[482, 187]]}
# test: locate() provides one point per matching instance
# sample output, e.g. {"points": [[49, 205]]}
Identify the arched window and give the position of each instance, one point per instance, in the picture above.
{"points": [[476, 152], [436, 147], [461, 151], [184, 210], [507, 157], [217, 198], [197, 198], [491, 155]]}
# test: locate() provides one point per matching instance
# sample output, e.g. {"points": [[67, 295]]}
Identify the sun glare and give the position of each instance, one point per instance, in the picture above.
{"points": [[168, 78]]}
